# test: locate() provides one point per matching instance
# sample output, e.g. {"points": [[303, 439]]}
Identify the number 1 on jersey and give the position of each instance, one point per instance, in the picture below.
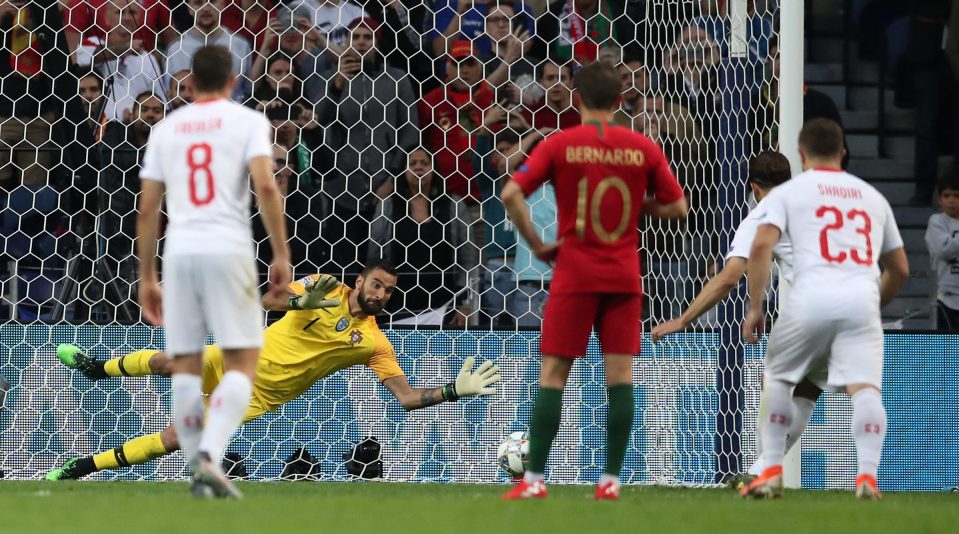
{"points": [[198, 160]]}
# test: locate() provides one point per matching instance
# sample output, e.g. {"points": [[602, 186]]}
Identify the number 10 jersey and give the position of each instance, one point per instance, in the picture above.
{"points": [[201, 153], [601, 174]]}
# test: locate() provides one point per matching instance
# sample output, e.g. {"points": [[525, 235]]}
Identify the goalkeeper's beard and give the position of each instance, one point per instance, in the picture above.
{"points": [[368, 306]]}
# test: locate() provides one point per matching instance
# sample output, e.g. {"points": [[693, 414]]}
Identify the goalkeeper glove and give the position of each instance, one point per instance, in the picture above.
{"points": [[468, 383], [314, 293]]}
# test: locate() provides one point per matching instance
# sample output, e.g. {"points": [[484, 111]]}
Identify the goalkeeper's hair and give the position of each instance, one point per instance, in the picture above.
{"points": [[821, 138], [382, 264], [769, 169], [212, 68], [949, 182], [598, 85]]}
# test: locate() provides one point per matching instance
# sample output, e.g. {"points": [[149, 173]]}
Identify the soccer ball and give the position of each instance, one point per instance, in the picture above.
{"points": [[513, 453]]}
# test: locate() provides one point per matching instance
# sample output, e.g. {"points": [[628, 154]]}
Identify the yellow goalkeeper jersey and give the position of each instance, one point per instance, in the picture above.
{"points": [[307, 345]]}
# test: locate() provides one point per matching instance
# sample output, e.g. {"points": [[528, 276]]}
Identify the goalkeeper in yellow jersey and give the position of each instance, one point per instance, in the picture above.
{"points": [[327, 326]]}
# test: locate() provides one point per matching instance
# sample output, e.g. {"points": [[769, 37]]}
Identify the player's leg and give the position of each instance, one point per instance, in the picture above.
{"points": [[804, 400], [618, 327], [236, 320], [856, 363], [138, 363], [798, 341], [136, 451], [567, 322], [869, 430]]}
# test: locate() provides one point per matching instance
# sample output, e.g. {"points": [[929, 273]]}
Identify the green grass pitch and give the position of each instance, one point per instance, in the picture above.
{"points": [[362, 507]]}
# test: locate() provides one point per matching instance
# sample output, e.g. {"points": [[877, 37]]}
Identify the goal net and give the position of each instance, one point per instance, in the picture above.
{"points": [[396, 124]]}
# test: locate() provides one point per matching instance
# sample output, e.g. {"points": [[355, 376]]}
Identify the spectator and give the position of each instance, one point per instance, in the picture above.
{"points": [[942, 240], [816, 104], [714, 18], [300, 136], [27, 102], [370, 117], [207, 30], [331, 17], [691, 74], [635, 85], [498, 246], [91, 97], [423, 231], [126, 68], [279, 77], [248, 19], [555, 110], [509, 64], [300, 41], [936, 90], [466, 19], [532, 276], [181, 90], [450, 116], [121, 151], [402, 40], [574, 30], [95, 18]]}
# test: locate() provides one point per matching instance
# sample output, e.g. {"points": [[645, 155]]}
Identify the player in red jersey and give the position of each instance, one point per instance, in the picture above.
{"points": [[603, 175]]}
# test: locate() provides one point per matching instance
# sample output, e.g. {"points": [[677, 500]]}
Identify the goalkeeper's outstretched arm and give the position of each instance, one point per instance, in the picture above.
{"points": [[467, 383]]}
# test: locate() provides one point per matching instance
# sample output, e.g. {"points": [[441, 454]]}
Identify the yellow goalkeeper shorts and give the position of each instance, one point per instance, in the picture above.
{"points": [[213, 373]]}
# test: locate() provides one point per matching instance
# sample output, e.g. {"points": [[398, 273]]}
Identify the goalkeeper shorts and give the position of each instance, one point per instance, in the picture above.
{"points": [[569, 318], [213, 370]]}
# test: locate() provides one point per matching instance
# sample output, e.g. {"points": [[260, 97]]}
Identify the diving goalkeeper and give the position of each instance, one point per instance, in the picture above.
{"points": [[328, 326]]}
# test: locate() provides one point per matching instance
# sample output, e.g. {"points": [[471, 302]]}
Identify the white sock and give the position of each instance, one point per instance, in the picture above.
{"points": [[187, 412], [778, 419], [758, 465], [606, 478], [869, 429], [532, 476], [228, 403], [802, 411]]}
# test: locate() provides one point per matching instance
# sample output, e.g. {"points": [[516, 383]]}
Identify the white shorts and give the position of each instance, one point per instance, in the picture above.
{"points": [[831, 352], [204, 294]]}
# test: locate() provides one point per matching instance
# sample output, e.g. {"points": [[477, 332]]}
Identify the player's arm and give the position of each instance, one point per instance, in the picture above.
{"points": [[306, 294], [673, 210], [148, 234], [468, 383], [760, 263], [271, 211], [713, 292], [895, 272]]}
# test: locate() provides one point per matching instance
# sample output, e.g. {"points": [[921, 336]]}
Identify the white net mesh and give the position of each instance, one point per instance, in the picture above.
{"points": [[371, 104]]}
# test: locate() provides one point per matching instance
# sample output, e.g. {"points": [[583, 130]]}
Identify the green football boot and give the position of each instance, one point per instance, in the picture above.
{"points": [[73, 469], [739, 481], [74, 358]]}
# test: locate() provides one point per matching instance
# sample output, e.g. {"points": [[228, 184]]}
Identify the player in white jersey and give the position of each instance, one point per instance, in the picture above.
{"points": [[767, 170], [201, 157], [830, 329]]}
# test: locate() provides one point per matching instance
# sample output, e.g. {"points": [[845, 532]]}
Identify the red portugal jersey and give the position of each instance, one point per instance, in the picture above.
{"points": [[601, 173]]}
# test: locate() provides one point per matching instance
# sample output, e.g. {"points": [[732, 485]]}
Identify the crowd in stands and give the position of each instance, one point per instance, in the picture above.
{"points": [[396, 123]]}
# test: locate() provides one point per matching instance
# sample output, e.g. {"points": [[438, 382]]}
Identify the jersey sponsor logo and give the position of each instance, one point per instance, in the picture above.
{"points": [[342, 324], [307, 280], [616, 156], [355, 337]]}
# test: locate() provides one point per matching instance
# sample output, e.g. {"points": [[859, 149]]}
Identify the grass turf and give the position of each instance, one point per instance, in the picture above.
{"points": [[166, 507]]}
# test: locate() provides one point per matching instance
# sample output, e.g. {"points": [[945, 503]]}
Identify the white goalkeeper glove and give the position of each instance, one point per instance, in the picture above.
{"points": [[314, 294], [468, 383]]}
